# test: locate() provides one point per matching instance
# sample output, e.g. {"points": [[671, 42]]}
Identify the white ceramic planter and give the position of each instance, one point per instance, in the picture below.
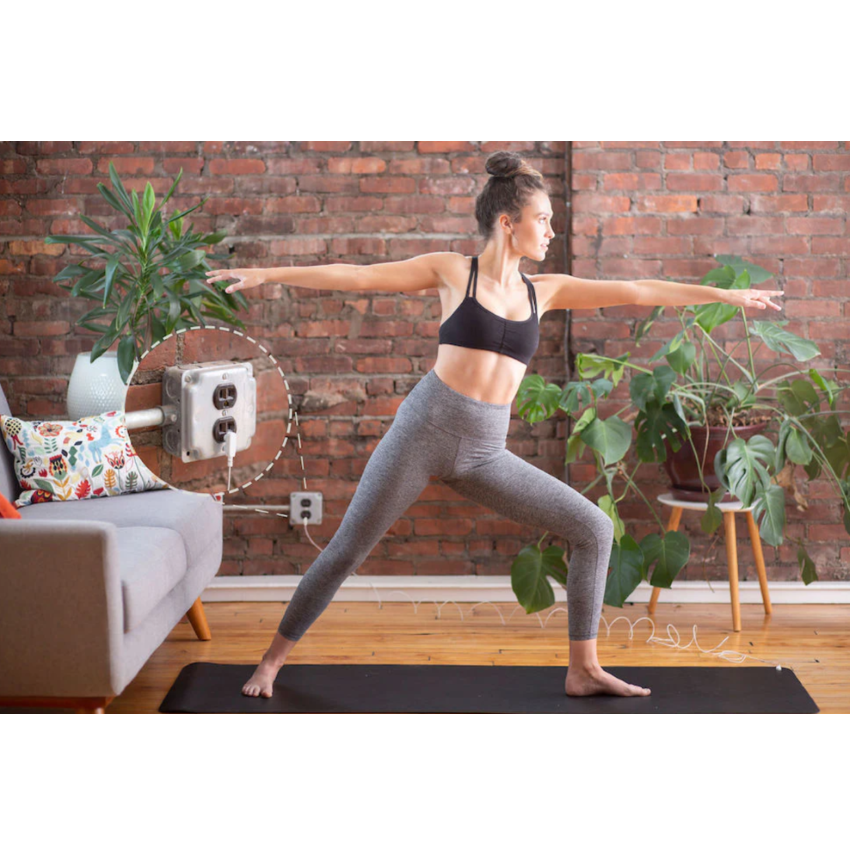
{"points": [[96, 387]]}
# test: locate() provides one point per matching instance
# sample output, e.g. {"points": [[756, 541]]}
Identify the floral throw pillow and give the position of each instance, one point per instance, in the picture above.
{"points": [[86, 459]]}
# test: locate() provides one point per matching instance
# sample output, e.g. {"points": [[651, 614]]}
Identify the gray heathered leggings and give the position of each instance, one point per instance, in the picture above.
{"points": [[461, 440]]}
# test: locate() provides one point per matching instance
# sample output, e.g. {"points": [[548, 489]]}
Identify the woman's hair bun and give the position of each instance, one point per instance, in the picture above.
{"points": [[506, 164]]}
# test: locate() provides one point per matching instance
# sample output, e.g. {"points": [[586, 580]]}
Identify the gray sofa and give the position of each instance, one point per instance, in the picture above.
{"points": [[89, 589]]}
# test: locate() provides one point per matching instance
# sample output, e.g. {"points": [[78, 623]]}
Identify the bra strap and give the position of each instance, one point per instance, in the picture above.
{"points": [[532, 295], [473, 278]]}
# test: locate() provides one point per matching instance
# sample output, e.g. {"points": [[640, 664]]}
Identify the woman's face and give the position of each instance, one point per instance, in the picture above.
{"points": [[533, 232]]}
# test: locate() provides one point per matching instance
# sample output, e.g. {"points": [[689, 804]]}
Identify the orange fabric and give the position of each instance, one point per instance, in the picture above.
{"points": [[7, 509]]}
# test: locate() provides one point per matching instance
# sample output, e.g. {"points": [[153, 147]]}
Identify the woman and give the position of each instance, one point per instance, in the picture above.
{"points": [[454, 422]]}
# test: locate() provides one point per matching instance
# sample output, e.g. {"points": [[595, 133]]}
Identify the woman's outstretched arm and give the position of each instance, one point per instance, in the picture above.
{"points": [[564, 292], [417, 273]]}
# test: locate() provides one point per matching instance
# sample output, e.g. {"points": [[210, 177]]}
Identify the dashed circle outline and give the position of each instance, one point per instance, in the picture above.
{"points": [[292, 412]]}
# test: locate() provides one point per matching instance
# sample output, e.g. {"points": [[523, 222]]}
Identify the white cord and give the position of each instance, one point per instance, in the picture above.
{"points": [[230, 448], [675, 643]]}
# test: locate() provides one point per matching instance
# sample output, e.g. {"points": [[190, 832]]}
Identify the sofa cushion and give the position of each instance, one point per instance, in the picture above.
{"points": [[88, 458], [152, 563], [196, 517]]}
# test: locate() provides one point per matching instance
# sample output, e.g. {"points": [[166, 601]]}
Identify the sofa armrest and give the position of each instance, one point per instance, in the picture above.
{"points": [[61, 608]]}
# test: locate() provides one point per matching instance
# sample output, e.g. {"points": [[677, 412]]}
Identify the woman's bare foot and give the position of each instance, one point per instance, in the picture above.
{"points": [[586, 682], [273, 659], [260, 684]]}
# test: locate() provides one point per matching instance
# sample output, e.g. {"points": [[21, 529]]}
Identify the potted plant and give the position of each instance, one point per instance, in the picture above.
{"points": [[151, 282], [716, 429]]}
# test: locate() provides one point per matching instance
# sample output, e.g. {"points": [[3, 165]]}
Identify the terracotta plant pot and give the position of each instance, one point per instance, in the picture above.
{"points": [[682, 466]]}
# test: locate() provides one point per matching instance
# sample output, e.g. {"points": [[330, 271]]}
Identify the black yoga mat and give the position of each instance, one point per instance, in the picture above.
{"points": [[206, 688]]}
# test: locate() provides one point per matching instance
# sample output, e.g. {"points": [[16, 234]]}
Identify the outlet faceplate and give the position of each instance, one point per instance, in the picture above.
{"points": [[211, 399], [305, 505]]}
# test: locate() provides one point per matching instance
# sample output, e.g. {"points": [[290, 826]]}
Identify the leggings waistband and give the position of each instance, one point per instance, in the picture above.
{"points": [[451, 411]]}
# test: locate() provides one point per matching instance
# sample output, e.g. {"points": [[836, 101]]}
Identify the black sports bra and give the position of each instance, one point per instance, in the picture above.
{"points": [[472, 325]]}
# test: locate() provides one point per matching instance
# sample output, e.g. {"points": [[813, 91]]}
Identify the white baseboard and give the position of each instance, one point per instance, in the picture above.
{"points": [[498, 589]]}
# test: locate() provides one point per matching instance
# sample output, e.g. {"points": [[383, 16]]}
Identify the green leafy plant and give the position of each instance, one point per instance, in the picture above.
{"points": [[152, 282], [665, 402]]}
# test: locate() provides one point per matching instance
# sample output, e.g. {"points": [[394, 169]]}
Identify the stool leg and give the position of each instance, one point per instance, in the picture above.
{"points": [[759, 556], [673, 525], [732, 557]]}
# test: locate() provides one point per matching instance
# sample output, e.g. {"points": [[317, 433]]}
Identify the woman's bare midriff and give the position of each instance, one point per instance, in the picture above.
{"points": [[483, 375]]}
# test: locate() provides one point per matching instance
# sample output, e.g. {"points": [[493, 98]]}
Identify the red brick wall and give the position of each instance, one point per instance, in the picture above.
{"points": [[640, 210]]}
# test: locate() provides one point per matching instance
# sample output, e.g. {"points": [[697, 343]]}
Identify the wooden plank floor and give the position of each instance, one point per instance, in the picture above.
{"points": [[812, 640]]}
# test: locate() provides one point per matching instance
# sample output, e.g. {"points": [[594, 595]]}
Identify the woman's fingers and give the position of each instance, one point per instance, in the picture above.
{"points": [[761, 298], [216, 275]]}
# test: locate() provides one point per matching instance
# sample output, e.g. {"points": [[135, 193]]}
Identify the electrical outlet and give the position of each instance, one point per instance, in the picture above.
{"points": [[222, 426], [224, 396], [304, 505]]}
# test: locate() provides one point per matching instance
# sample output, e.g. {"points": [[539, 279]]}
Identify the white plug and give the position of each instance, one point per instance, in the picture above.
{"points": [[230, 448]]}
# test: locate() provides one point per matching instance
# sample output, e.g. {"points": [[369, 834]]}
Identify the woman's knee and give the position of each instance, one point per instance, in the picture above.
{"points": [[596, 529]]}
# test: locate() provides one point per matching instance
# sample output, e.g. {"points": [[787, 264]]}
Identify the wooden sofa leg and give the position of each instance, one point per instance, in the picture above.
{"points": [[198, 619]]}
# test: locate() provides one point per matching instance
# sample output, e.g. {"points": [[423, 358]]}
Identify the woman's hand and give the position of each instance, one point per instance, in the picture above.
{"points": [[758, 298], [247, 278]]}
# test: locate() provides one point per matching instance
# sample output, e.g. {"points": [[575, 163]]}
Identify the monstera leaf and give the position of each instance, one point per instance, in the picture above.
{"points": [[577, 394], [712, 516], [530, 574], [537, 399], [610, 437], [771, 502], [645, 388], [797, 396], [669, 554], [742, 466], [807, 565], [655, 426], [627, 571]]}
